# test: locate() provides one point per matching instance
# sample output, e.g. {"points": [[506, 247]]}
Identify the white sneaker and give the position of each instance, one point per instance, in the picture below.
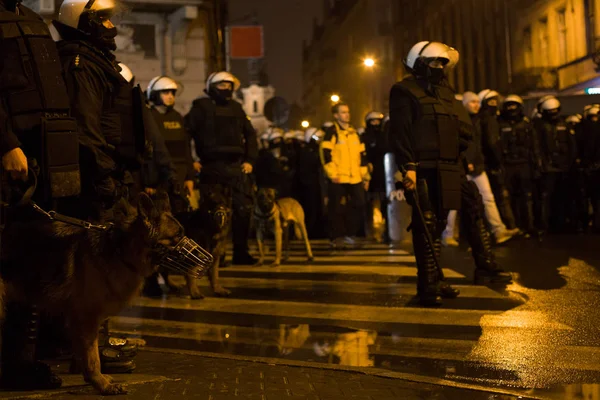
{"points": [[449, 242], [503, 236]]}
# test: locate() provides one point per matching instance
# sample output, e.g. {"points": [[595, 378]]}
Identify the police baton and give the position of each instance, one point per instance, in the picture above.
{"points": [[413, 197]]}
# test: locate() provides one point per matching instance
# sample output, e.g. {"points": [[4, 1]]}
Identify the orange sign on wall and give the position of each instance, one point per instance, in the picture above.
{"points": [[246, 42]]}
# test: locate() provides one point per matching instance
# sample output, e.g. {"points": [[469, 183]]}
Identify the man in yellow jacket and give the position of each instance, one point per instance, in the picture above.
{"points": [[345, 163]]}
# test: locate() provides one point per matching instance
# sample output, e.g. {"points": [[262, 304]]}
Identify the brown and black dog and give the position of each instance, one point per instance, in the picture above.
{"points": [[275, 214], [209, 226], [86, 275]]}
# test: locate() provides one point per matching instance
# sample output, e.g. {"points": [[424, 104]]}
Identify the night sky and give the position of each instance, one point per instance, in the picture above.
{"points": [[286, 23]]}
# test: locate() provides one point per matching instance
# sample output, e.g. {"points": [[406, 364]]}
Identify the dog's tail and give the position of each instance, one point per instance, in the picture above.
{"points": [[297, 232]]}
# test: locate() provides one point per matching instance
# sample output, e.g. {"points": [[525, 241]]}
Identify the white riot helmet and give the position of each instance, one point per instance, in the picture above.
{"points": [[221, 95], [549, 107], [373, 115], [574, 119], [275, 133], [326, 125], [289, 135], [88, 16], [512, 107], [159, 84], [591, 110], [422, 54], [299, 135], [126, 73], [487, 94]]}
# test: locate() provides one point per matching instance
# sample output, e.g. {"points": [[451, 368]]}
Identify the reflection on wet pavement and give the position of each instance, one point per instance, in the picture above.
{"points": [[360, 312]]}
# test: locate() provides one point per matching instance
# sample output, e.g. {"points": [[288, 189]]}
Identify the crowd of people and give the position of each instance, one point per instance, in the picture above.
{"points": [[76, 121]]}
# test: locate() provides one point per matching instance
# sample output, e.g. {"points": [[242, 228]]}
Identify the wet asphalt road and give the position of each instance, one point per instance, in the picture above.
{"points": [[538, 337]]}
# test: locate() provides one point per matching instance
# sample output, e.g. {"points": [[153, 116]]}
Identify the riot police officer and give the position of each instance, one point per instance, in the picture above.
{"points": [[227, 146], [87, 40], [35, 122], [161, 93], [520, 159], [376, 147], [428, 144], [558, 154], [588, 134], [490, 135]]}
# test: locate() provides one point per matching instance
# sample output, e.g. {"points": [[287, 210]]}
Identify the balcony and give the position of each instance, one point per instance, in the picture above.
{"points": [[535, 79], [577, 72]]}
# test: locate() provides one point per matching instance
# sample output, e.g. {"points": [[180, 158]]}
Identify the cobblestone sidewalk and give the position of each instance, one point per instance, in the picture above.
{"points": [[182, 376]]}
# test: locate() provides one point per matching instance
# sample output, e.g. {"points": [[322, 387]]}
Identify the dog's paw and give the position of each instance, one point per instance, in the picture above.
{"points": [[275, 264], [114, 389], [259, 263], [310, 259], [221, 291]]}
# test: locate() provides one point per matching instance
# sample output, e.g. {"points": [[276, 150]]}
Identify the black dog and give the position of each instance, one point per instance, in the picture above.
{"points": [[209, 226]]}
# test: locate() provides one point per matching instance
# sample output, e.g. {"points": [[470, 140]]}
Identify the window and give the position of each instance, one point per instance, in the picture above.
{"points": [[543, 42], [255, 107], [590, 26], [563, 54], [528, 47]]}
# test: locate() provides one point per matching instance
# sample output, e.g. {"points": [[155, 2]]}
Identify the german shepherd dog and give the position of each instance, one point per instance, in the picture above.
{"points": [[275, 214], [83, 274], [209, 226]]}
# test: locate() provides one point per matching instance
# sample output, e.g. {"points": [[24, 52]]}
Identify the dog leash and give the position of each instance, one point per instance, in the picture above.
{"points": [[54, 216]]}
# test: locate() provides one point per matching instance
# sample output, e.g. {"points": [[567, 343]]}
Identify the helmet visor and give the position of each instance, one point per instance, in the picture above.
{"points": [[436, 52]]}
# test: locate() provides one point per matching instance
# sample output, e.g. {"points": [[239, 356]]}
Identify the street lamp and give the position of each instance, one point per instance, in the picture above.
{"points": [[335, 98], [369, 62], [305, 124]]}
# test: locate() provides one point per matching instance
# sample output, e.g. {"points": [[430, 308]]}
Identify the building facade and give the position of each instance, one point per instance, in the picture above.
{"points": [[555, 45], [352, 30], [178, 38]]}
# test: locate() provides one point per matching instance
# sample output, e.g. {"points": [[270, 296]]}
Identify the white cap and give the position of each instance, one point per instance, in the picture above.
{"points": [[223, 76], [126, 72], [71, 10], [468, 97]]}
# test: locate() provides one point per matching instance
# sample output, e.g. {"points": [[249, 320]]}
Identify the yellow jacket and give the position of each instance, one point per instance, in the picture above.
{"points": [[343, 156]]}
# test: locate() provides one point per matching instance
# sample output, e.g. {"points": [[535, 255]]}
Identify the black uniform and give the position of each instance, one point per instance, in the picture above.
{"points": [[490, 137], [94, 83], [311, 181], [520, 159], [428, 133], [588, 172], [376, 147], [177, 141], [224, 140], [35, 116], [558, 153]]}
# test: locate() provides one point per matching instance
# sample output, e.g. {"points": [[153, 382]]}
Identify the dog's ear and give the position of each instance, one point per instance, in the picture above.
{"points": [[122, 210], [162, 203], [146, 206]]}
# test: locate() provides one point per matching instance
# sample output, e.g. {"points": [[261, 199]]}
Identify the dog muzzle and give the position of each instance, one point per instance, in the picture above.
{"points": [[187, 257], [221, 217]]}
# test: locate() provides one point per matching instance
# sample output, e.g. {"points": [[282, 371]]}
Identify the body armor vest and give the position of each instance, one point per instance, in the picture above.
{"points": [[436, 129], [131, 145], [515, 140], [223, 130], [35, 96], [555, 143], [177, 141]]}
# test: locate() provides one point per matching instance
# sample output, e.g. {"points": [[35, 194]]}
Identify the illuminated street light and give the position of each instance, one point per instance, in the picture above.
{"points": [[305, 124], [335, 98], [369, 62]]}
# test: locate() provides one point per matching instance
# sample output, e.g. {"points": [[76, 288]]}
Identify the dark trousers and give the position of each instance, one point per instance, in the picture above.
{"points": [[519, 184], [593, 190], [502, 197], [311, 200], [554, 190], [346, 204], [242, 198]]}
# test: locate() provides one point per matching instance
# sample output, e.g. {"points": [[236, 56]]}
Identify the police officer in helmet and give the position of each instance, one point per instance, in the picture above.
{"points": [[429, 134], [558, 153], [227, 146], [34, 122], [520, 159]]}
